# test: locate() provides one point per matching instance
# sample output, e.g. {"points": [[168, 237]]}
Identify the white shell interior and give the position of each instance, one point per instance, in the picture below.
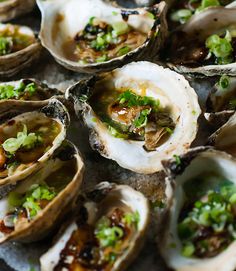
{"points": [[174, 92]]}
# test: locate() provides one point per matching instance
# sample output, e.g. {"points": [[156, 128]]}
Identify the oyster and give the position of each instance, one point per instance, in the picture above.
{"points": [[200, 233], [111, 229], [181, 11], [34, 206], [225, 137], [92, 36], [10, 9], [138, 115], [205, 45], [24, 95], [19, 47], [29, 139]]}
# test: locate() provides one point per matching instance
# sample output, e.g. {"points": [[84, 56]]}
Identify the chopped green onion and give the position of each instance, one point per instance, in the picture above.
{"points": [[224, 81], [124, 50], [221, 48]]}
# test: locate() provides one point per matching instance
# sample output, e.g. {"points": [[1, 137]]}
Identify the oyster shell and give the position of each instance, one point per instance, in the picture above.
{"points": [[15, 56], [108, 203], [35, 205], [123, 34], [189, 52], [10, 9], [181, 11], [27, 95], [170, 133], [30, 139], [225, 138], [193, 177]]}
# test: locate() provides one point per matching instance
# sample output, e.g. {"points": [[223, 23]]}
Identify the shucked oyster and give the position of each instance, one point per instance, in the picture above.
{"points": [[205, 45], [23, 95], [10, 9], [29, 139], [138, 115], [93, 36], [200, 234], [107, 235], [34, 206], [18, 48]]}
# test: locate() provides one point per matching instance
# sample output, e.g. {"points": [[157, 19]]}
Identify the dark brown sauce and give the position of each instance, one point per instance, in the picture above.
{"points": [[83, 252]]}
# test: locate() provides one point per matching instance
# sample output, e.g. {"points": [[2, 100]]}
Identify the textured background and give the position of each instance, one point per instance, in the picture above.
{"points": [[25, 257]]}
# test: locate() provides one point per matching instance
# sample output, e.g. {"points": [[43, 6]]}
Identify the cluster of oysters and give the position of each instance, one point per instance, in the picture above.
{"points": [[140, 111]]}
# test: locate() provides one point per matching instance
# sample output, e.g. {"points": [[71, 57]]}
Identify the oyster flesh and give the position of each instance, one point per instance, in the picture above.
{"points": [[34, 206], [19, 48], [93, 35], [138, 115], [24, 95], [205, 45], [29, 139], [200, 233], [110, 228], [10, 9]]}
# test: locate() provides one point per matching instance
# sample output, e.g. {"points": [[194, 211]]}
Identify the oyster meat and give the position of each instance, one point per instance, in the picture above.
{"points": [[19, 47], [29, 139], [200, 233], [92, 36], [35, 205], [24, 95], [10, 9], [138, 115], [205, 45], [107, 234]]}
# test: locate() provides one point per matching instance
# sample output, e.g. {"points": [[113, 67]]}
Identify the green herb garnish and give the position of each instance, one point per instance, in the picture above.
{"points": [[221, 48], [224, 81], [130, 99], [23, 140], [215, 215], [142, 120], [5, 45], [11, 92], [106, 234], [131, 219], [31, 199]]}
